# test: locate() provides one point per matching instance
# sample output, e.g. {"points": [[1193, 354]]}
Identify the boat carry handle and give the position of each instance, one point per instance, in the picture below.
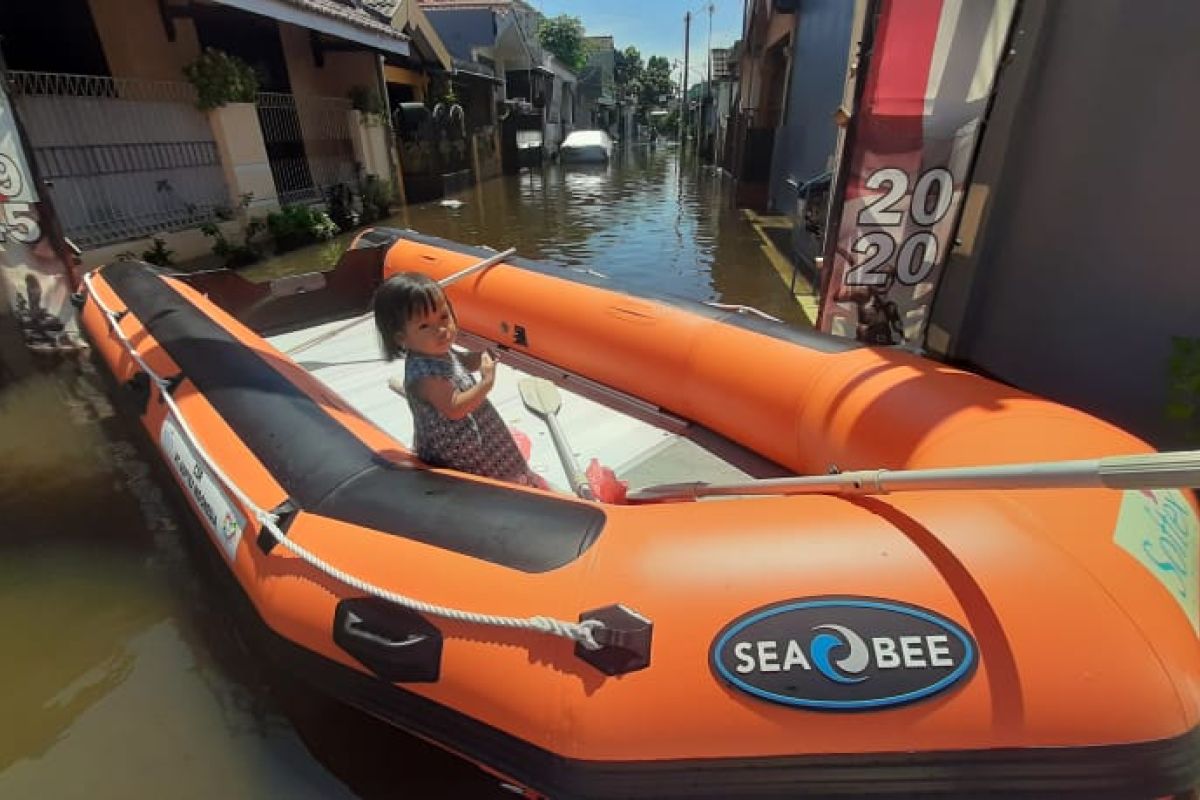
{"points": [[396, 643]]}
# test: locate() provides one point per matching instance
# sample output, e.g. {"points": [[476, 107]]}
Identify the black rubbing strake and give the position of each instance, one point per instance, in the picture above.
{"points": [[327, 470]]}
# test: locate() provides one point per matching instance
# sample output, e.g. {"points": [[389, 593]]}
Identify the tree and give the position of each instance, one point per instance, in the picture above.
{"points": [[627, 69], [656, 82], [670, 122], [563, 36]]}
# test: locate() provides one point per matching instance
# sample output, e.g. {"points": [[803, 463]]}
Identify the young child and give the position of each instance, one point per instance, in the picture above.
{"points": [[456, 425]]}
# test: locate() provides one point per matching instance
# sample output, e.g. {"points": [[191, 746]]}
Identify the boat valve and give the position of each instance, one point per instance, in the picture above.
{"points": [[624, 637]]}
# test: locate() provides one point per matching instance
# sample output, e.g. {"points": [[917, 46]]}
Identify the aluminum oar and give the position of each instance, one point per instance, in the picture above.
{"points": [[542, 397], [444, 282], [1171, 470]]}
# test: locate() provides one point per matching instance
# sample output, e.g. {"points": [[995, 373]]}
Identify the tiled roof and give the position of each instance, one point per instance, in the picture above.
{"points": [[462, 65], [463, 3], [364, 15]]}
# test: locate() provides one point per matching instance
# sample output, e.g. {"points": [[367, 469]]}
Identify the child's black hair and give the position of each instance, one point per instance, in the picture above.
{"points": [[400, 298]]}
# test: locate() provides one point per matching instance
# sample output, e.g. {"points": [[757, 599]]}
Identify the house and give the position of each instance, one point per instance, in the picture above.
{"points": [[764, 72], [807, 136], [502, 35], [724, 80], [116, 133], [442, 108], [597, 101], [715, 105]]}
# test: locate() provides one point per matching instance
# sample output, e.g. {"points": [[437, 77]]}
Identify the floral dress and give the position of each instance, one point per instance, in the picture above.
{"points": [[479, 443]]}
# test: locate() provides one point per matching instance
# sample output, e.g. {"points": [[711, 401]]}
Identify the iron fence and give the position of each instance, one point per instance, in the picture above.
{"points": [[122, 158]]}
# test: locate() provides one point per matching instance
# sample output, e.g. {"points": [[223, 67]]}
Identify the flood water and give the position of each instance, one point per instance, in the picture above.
{"points": [[122, 674], [642, 221]]}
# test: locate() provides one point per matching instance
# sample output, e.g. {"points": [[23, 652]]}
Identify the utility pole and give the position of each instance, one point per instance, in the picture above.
{"points": [[712, 115], [709, 58], [683, 110]]}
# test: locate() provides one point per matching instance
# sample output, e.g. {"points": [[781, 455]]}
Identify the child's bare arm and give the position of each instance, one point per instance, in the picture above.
{"points": [[471, 360], [453, 403]]}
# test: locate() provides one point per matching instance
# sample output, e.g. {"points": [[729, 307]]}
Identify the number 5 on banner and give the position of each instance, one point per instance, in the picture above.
{"points": [[18, 221]]}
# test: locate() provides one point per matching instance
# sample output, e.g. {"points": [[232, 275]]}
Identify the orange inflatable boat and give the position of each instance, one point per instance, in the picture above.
{"points": [[990, 641]]}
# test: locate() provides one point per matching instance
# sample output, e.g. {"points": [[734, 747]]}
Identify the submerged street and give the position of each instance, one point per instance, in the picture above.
{"points": [[124, 675], [643, 221]]}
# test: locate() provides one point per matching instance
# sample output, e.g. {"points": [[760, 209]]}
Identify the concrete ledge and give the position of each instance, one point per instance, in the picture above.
{"points": [[369, 139], [243, 154], [803, 292], [188, 244]]}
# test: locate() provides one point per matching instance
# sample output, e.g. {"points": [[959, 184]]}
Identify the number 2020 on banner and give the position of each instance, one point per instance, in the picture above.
{"points": [[917, 254]]}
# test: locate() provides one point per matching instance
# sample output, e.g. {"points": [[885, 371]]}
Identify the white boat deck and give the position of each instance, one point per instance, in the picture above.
{"points": [[640, 444]]}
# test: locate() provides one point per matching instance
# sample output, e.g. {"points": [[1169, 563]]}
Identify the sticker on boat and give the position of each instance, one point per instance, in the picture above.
{"points": [[1159, 528], [843, 653], [225, 523]]}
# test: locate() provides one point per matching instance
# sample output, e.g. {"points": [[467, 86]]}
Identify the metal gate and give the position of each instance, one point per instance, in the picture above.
{"points": [[121, 158], [308, 144]]}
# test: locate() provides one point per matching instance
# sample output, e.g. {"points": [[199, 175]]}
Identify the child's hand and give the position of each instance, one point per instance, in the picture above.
{"points": [[487, 368]]}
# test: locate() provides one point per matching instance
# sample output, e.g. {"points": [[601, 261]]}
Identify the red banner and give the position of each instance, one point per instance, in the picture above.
{"points": [[926, 92]]}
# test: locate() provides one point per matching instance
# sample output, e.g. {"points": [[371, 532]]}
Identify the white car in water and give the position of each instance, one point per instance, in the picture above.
{"points": [[586, 147]]}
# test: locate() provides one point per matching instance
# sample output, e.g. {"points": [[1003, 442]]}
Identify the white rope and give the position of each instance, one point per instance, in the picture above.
{"points": [[581, 632], [740, 309]]}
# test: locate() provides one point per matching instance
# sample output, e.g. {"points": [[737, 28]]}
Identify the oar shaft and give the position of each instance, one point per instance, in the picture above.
{"points": [[578, 484], [1150, 471], [1179, 469], [444, 282], [482, 265]]}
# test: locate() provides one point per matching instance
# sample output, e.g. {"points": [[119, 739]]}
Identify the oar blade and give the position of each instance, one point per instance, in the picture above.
{"points": [[540, 395]]}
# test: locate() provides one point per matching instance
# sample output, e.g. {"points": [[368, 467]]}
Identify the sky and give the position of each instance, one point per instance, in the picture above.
{"points": [[655, 27]]}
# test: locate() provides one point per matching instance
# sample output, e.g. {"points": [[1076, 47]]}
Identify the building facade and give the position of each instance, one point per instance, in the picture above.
{"points": [[126, 153], [503, 36]]}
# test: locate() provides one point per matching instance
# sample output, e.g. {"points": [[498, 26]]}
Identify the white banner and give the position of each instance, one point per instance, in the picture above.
{"points": [[15, 183], [932, 70], [36, 280]]}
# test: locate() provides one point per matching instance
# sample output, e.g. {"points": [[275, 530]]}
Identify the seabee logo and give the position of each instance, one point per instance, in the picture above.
{"points": [[843, 653]]}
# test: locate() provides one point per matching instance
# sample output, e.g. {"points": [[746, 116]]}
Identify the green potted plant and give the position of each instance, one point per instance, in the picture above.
{"points": [[297, 225], [234, 253], [220, 78], [368, 103]]}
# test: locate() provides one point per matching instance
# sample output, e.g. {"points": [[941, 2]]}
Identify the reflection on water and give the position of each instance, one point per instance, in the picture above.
{"points": [[640, 220], [122, 675]]}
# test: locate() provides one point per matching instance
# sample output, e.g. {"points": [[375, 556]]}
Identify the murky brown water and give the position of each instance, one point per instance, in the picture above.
{"points": [[121, 674], [641, 221]]}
